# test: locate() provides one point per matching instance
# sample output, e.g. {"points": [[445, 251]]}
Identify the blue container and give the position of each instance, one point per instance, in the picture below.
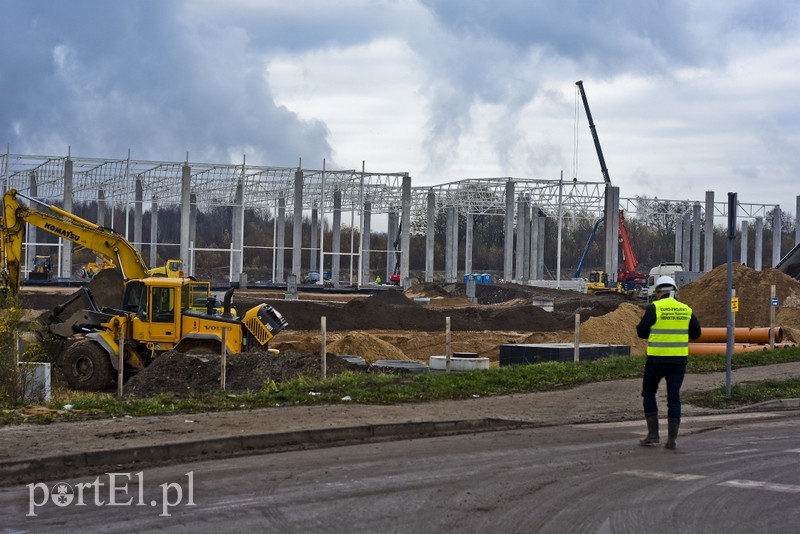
{"points": [[468, 277], [487, 278]]}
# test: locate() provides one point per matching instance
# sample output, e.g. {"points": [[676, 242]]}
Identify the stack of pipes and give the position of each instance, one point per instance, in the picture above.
{"points": [[714, 340]]}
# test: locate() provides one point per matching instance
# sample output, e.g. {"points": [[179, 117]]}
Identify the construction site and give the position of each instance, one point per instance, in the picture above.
{"points": [[126, 318]]}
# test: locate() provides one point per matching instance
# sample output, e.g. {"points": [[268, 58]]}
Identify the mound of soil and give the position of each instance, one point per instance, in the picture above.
{"points": [[391, 310], [616, 328], [367, 346], [176, 372], [707, 295]]}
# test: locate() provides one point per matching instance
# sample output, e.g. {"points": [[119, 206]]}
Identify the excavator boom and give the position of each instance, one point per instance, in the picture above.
{"points": [[104, 242]]}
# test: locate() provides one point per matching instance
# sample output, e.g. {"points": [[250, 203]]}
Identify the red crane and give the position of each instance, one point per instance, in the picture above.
{"points": [[631, 278]]}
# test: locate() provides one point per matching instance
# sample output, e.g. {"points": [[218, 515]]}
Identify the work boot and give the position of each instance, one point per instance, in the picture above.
{"points": [[672, 428], [652, 430]]}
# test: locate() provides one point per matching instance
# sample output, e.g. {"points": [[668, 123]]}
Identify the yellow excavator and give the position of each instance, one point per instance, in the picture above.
{"points": [[173, 268], [155, 314]]}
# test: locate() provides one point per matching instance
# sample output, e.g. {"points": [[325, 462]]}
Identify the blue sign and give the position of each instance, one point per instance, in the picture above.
{"points": [[774, 301]]}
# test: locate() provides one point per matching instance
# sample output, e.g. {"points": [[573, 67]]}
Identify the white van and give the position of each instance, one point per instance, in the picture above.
{"points": [[668, 269]]}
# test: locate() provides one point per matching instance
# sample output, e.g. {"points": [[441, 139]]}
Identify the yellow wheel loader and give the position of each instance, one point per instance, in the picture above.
{"points": [[157, 312]]}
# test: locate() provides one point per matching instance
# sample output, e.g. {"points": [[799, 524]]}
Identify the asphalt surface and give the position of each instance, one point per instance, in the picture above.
{"points": [[45, 452]]}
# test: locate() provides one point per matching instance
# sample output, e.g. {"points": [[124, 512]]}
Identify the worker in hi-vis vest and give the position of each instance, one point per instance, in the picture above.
{"points": [[668, 325]]}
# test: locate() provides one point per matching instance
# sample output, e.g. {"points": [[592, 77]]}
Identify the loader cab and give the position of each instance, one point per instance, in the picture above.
{"points": [[599, 277]]}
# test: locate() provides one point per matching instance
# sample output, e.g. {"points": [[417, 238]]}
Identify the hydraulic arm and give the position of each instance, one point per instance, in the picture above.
{"points": [[104, 242]]}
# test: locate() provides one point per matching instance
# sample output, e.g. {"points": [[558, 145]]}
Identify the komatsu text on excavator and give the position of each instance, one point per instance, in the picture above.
{"points": [[157, 312]]}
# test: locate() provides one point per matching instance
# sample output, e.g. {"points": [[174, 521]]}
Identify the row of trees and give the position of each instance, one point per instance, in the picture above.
{"points": [[652, 235]]}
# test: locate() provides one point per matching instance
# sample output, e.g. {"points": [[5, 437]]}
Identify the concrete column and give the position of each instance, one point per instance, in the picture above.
{"points": [[66, 245], [193, 232], [797, 221], [186, 175], [101, 207], [237, 233], [678, 239], [297, 226], [154, 233], [30, 251], [540, 245], [138, 214], [454, 264], [534, 243], [519, 264], [759, 243], [365, 244], [508, 247], [314, 248], [336, 244], [280, 262], [468, 246], [526, 255], [405, 234], [743, 250], [776, 236], [686, 247], [611, 231], [696, 237], [448, 246], [430, 235], [391, 236], [101, 212], [708, 251]]}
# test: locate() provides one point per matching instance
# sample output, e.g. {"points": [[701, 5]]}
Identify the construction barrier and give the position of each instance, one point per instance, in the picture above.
{"points": [[740, 335]]}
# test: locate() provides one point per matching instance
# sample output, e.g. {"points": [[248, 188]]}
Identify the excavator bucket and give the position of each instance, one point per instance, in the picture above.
{"points": [[107, 288]]}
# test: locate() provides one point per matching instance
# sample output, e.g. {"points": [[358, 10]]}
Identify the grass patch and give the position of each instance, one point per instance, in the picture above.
{"points": [[746, 394], [382, 389]]}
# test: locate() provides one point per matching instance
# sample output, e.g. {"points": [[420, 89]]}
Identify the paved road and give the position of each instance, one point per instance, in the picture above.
{"points": [[732, 473]]}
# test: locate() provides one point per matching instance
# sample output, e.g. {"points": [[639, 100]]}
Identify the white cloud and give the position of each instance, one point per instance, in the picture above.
{"points": [[367, 95]]}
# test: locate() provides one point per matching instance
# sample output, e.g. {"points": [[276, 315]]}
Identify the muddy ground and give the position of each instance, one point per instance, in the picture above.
{"points": [[392, 325]]}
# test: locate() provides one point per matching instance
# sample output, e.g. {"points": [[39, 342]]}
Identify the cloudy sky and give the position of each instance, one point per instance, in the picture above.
{"points": [[688, 96]]}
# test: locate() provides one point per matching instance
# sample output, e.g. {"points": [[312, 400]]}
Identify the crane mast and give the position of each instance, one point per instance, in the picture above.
{"points": [[593, 129]]}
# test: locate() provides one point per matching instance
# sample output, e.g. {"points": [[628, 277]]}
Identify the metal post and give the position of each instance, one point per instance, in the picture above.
{"points": [[732, 205], [772, 317], [120, 362], [223, 359], [447, 345], [323, 349], [577, 356]]}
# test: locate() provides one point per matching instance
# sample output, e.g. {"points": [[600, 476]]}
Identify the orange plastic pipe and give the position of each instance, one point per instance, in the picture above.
{"points": [[740, 335], [706, 349]]}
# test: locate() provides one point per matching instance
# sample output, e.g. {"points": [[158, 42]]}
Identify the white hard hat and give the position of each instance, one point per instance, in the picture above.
{"points": [[666, 283]]}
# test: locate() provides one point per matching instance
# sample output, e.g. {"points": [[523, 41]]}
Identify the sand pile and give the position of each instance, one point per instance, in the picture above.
{"points": [[707, 296], [616, 328], [367, 346]]}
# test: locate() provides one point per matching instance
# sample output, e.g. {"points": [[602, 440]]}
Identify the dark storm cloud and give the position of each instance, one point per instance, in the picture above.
{"points": [[143, 75], [611, 36]]}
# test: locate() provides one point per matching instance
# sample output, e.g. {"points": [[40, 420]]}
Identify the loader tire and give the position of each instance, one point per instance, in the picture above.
{"points": [[87, 366]]}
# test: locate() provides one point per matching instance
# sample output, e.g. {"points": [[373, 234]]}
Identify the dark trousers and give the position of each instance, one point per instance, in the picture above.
{"points": [[654, 371]]}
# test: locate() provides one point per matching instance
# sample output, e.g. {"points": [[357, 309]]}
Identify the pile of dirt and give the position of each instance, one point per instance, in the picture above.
{"points": [[391, 310], [426, 289], [707, 296], [367, 346], [616, 328], [176, 372]]}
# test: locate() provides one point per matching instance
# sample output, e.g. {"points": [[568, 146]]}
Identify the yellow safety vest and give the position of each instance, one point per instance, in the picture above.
{"points": [[669, 336]]}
